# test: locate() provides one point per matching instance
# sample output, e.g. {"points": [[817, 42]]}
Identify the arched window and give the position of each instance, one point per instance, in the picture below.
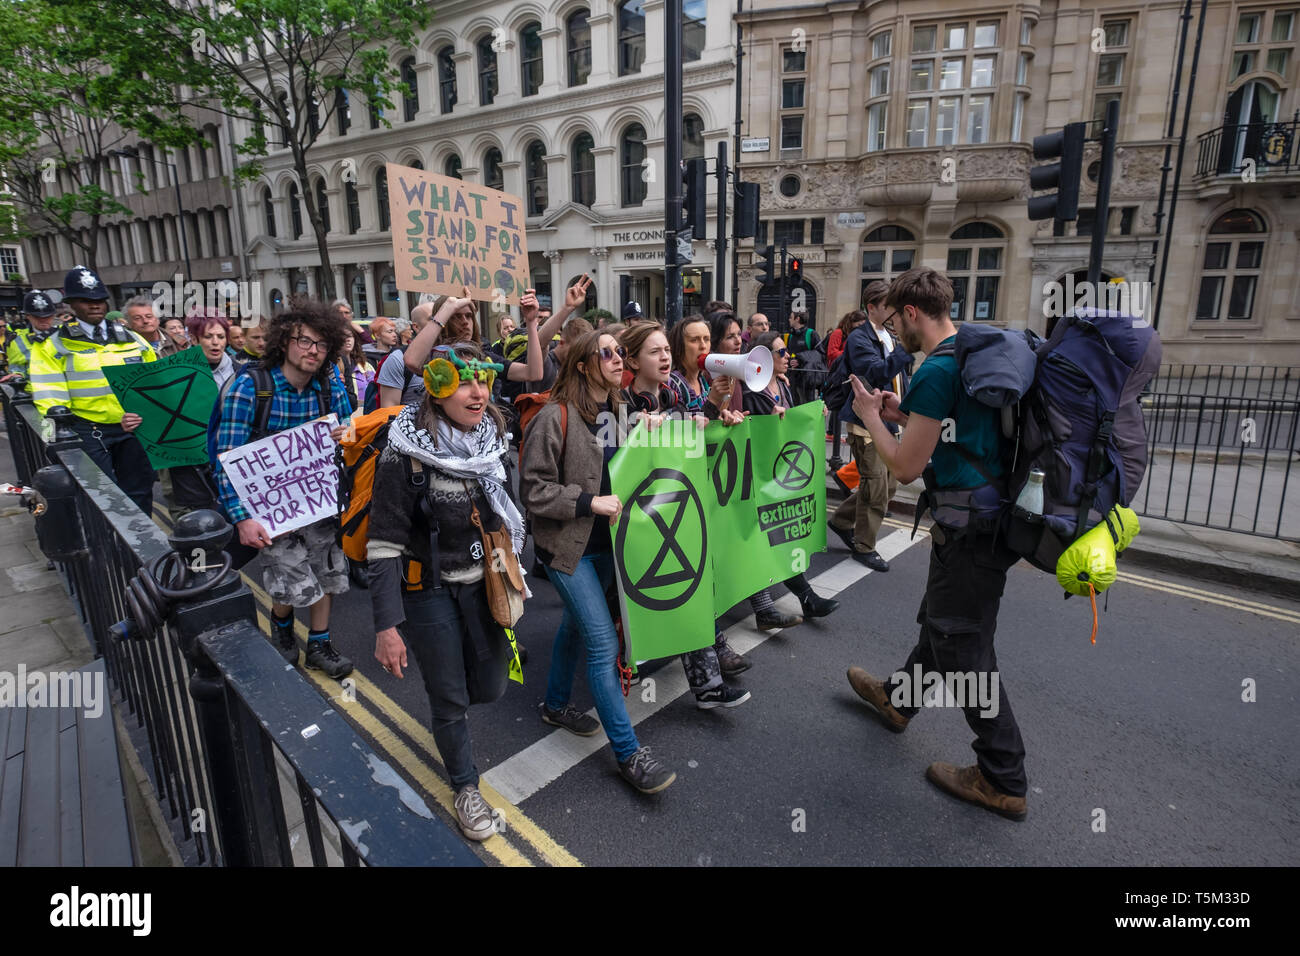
{"points": [[203, 159], [1251, 110], [584, 170], [353, 202], [381, 199], [343, 110], [886, 251], [632, 153], [295, 212], [692, 136], [416, 164], [631, 36], [975, 255], [268, 210], [493, 176], [375, 111], [411, 91], [535, 172], [578, 32], [452, 167], [1234, 256], [446, 79], [693, 15], [530, 57], [313, 113], [323, 204], [487, 71]]}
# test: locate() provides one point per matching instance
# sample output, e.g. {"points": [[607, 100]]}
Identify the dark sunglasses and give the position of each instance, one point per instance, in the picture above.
{"points": [[782, 353], [606, 353]]}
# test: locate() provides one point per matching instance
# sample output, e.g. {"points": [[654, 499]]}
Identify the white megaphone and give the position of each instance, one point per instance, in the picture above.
{"points": [[755, 366]]}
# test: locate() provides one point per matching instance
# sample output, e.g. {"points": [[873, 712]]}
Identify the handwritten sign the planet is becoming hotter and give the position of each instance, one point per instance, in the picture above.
{"points": [[287, 480], [449, 234]]}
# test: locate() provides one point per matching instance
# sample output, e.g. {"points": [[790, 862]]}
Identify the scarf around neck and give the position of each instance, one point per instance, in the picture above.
{"points": [[476, 454]]}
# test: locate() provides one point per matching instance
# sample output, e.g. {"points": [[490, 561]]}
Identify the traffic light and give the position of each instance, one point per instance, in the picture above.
{"points": [[766, 260], [746, 210], [693, 203], [1067, 145], [794, 275]]}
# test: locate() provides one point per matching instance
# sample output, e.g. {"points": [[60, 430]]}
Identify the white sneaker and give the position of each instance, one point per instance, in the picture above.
{"points": [[474, 814]]}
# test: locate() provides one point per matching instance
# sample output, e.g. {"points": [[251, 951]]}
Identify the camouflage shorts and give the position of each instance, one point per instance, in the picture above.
{"points": [[303, 566]]}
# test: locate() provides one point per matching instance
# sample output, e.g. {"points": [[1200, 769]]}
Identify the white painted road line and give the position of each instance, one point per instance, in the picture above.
{"points": [[519, 777]]}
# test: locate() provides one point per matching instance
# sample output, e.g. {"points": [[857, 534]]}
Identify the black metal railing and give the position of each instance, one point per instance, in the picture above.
{"points": [[223, 728], [1258, 149], [1229, 381]]}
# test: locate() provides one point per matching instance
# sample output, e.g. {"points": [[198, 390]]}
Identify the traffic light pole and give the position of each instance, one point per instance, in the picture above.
{"points": [[672, 159], [735, 234], [1098, 249], [783, 318], [720, 244]]}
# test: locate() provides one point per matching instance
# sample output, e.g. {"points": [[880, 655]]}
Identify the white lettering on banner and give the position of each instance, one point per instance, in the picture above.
{"points": [[287, 480]]}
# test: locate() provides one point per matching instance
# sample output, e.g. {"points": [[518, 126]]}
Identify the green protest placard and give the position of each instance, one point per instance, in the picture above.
{"points": [[174, 396], [699, 534], [662, 544]]}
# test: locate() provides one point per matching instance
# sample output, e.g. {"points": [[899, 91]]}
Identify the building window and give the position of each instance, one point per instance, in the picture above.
{"points": [[1252, 28], [353, 203], [343, 110], [578, 32], [789, 186], [792, 132], [792, 97], [584, 170], [381, 199], [632, 151], [975, 256], [313, 114], [535, 172], [961, 115], [411, 89], [446, 79], [360, 306], [880, 45], [530, 54], [693, 16], [451, 167], [880, 80], [1018, 117], [1112, 68], [295, 211], [268, 210], [631, 36], [793, 61], [493, 176], [789, 231], [1234, 255], [323, 204], [792, 94], [818, 232], [376, 114], [887, 251], [877, 119], [487, 71], [692, 137]]}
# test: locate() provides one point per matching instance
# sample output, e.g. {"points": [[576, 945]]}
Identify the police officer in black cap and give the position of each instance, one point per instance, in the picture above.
{"points": [[67, 369], [38, 310]]}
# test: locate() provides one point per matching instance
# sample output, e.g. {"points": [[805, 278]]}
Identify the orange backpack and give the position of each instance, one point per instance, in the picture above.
{"points": [[527, 406], [361, 451]]}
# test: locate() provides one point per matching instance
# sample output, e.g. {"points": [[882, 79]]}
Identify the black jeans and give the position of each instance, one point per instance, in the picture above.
{"points": [[120, 456], [958, 618], [459, 666]]}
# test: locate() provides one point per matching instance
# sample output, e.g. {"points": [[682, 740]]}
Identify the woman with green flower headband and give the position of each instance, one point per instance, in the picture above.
{"points": [[445, 463]]}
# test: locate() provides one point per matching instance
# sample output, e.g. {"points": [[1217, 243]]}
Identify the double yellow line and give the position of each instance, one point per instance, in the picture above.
{"points": [[520, 840], [1221, 600]]}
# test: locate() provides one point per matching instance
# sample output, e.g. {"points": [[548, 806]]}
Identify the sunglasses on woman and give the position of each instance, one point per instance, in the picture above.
{"points": [[782, 353], [606, 353]]}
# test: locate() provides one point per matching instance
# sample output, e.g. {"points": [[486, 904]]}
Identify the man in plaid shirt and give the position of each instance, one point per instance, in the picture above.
{"points": [[304, 567]]}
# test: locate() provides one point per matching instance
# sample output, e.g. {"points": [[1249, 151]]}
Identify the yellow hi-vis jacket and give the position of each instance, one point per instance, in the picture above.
{"points": [[20, 350], [66, 370]]}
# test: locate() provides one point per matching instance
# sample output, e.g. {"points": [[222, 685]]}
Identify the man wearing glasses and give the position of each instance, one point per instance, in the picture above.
{"points": [[303, 568], [876, 357]]}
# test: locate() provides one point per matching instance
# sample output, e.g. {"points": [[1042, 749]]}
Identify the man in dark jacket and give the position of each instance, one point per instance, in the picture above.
{"points": [[879, 361]]}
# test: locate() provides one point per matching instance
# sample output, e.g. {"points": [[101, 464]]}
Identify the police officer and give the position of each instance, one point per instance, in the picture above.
{"points": [[67, 369], [38, 309]]}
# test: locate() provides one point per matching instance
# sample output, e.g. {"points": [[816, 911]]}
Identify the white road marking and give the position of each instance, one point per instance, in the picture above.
{"points": [[519, 777]]}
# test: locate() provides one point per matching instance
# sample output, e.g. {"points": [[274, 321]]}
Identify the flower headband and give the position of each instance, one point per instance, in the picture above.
{"points": [[442, 378]]}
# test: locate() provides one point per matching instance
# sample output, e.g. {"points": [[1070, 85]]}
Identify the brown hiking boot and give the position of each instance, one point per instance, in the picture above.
{"points": [[970, 784], [873, 692]]}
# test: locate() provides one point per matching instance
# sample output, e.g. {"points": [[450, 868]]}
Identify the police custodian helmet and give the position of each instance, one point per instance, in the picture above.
{"points": [[81, 283], [39, 304]]}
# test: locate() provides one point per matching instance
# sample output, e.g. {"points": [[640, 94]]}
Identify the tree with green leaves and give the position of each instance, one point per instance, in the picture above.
{"points": [[74, 87], [285, 67]]}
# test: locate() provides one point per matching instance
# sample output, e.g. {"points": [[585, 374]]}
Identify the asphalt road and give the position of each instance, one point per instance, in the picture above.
{"points": [[1146, 733]]}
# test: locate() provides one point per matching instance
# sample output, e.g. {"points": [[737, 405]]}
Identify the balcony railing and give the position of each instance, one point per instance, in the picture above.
{"points": [[1257, 149]]}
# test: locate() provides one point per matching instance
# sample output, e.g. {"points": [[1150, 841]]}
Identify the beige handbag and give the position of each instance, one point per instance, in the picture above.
{"points": [[502, 578]]}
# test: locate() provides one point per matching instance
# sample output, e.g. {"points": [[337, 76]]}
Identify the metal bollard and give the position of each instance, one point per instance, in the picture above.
{"points": [[59, 530]]}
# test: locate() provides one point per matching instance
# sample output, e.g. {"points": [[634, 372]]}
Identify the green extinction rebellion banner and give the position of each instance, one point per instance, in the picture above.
{"points": [[711, 518], [174, 396]]}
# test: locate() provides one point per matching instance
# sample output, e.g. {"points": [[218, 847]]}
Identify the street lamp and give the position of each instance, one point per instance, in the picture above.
{"points": [[132, 152]]}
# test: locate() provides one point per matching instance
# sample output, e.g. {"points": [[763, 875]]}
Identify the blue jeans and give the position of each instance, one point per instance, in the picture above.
{"points": [[586, 616]]}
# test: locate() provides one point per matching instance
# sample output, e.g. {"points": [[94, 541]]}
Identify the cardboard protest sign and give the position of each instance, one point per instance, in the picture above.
{"points": [[699, 534], [174, 396], [287, 480], [662, 545], [448, 234]]}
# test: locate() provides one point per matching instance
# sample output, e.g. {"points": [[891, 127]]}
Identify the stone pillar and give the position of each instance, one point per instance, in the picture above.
{"points": [[604, 293], [556, 257], [555, 60], [608, 196], [558, 183], [654, 38], [513, 178], [654, 171], [466, 84], [604, 40], [313, 287], [372, 298], [426, 86], [340, 290], [509, 72]]}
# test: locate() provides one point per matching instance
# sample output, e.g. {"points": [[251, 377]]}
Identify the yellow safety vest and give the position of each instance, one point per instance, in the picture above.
{"points": [[66, 370], [20, 352]]}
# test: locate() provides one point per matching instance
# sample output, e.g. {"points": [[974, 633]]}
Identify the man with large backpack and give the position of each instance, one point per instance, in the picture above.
{"points": [[968, 565], [809, 367], [303, 568]]}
